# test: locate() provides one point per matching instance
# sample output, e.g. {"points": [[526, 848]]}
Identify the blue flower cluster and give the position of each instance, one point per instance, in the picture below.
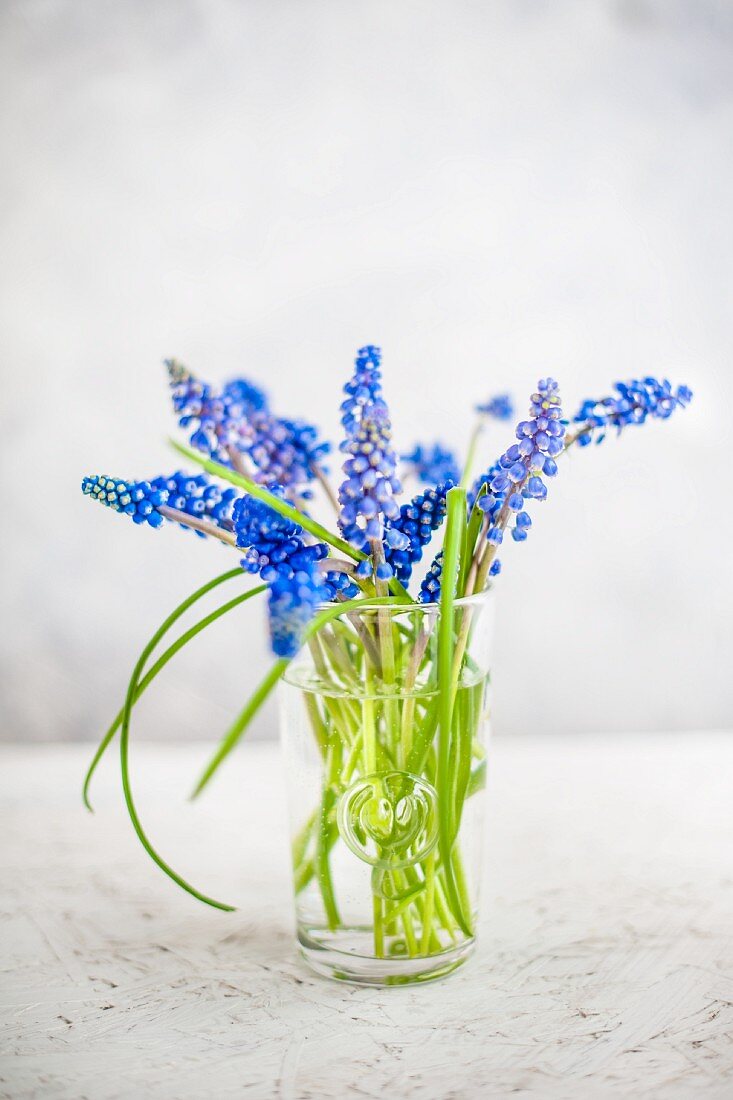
{"points": [[500, 407], [137, 499], [367, 493], [407, 536], [633, 402], [197, 496], [242, 392], [282, 451], [215, 417], [432, 463], [194, 495], [276, 549], [430, 585], [517, 476]]}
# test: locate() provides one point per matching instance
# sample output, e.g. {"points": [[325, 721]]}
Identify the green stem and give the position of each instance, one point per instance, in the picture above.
{"points": [[455, 524], [160, 632], [241, 722], [130, 802], [470, 455], [322, 862], [429, 904], [378, 926]]}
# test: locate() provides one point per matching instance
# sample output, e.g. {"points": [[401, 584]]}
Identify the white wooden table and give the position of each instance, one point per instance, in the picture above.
{"points": [[604, 970]]}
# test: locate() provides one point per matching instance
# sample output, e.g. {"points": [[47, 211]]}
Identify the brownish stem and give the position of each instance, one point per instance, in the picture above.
{"points": [[336, 565], [320, 476], [239, 463], [197, 524]]}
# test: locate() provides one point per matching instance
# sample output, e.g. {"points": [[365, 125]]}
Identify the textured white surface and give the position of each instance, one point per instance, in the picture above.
{"points": [[492, 191], [605, 967]]}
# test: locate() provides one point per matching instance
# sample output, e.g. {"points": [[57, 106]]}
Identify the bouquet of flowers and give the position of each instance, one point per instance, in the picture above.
{"points": [[385, 676]]}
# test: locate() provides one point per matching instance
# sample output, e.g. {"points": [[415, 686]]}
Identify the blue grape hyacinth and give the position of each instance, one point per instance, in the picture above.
{"points": [[367, 494], [137, 499], [518, 475], [237, 421], [197, 496], [633, 403], [500, 407], [214, 418], [292, 604], [430, 584], [276, 549], [407, 536], [432, 463], [193, 495]]}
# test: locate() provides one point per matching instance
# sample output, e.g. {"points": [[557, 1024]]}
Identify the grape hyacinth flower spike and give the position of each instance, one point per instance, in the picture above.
{"points": [[499, 407], [277, 549], [190, 500], [367, 494], [510, 483], [236, 427], [525, 463], [633, 403], [432, 463], [417, 522]]}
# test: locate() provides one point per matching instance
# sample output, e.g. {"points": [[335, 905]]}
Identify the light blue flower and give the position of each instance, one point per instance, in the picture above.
{"points": [[632, 403], [367, 493]]}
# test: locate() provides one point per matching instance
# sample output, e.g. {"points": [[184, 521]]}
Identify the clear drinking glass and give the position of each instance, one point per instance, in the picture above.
{"points": [[384, 726]]}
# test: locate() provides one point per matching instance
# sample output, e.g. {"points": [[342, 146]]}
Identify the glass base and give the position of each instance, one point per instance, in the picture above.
{"points": [[347, 956]]}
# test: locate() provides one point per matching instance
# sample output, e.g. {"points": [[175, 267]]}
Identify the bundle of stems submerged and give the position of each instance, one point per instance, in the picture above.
{"points": [[397, 694]]}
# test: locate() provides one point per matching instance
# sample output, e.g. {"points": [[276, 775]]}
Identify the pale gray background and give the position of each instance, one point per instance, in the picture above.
{"points": [[492, 191]]}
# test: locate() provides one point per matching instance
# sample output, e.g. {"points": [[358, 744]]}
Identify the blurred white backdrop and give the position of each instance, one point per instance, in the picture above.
{"points": [[491, 191]]}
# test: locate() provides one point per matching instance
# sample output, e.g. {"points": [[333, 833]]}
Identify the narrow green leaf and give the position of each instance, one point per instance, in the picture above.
{"points": [[472, 532], [160, 632], [454, 534], [241, 722], [130, 802], [162, 661]]}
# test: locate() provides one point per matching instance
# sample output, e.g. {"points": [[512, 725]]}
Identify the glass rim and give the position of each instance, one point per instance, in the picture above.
{"points": [[370, 604], [340, 691]]}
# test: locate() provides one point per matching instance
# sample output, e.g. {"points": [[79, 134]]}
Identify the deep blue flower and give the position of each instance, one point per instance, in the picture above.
{"points": [[407, 536], [364, 387], [276, 549], [433, 463], [430, 586], [237, 419], [257, 524], [370, 484], [198, 496], [245, 394], [192, 494], [500, 407], [632, 403], [292, 603], [212, 417], [136, 499]]}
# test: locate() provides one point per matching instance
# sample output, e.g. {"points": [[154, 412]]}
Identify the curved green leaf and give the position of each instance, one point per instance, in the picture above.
{"points": [[160, 632]]}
